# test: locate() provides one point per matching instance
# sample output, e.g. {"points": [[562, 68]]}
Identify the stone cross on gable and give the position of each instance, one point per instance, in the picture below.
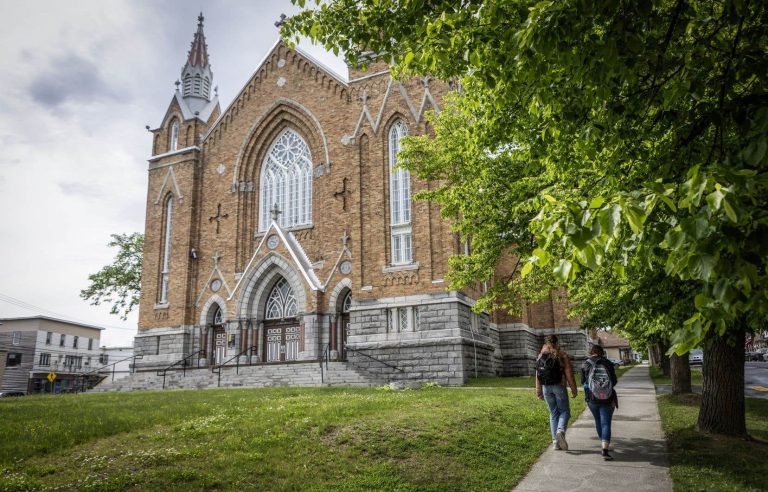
{"points": [[275, 212], [218, 217], [345, 239], [364, 97], [280, 23], [216, 259]]}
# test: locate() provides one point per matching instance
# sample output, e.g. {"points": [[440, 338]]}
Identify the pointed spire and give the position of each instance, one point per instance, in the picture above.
{"points": [[196, 76], [198, 53]]}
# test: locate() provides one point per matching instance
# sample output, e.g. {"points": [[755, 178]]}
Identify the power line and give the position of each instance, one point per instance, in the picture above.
{"points": [[39, 310]]}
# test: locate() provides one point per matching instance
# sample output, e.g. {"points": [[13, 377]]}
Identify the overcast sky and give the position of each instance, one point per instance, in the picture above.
{"points": [[80, 81]]}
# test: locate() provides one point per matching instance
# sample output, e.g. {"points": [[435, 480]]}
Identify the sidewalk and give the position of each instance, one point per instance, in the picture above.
{"points": [[640, 450]]}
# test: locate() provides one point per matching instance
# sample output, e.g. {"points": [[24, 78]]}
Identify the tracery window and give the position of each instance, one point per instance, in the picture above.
{"points": [[281, 303], [174, 142], [399, 200], [166, 258], [286, 181], [218, 317], [347, 303]]}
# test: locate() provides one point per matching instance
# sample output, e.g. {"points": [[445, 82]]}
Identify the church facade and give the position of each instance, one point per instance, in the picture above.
{"points": [[279, 231]]}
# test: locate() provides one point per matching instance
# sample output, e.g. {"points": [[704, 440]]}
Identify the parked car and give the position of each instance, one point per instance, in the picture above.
{"points": [[616, 362], [4, 394], [753, 356], [696, 356]]}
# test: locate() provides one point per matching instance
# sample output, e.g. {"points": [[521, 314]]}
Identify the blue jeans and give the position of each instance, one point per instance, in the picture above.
{"points": [[603, 414], [556, 397]]}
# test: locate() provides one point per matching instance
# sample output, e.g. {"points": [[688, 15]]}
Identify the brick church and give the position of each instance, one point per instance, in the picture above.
{"points": [[281, 234]]}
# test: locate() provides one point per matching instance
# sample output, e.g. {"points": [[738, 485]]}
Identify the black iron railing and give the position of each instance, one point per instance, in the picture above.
{"points": [[99, 371], [184, 363], [324, 358], [349, 349], [217, 369]]}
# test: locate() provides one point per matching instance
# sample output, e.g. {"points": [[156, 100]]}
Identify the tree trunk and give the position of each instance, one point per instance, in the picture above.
{"points": [[722, 399], [664, 358], [681, 374], [653, 355]]}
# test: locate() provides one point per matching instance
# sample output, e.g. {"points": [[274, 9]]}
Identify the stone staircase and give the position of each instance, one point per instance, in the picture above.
{"points": [[254, 376]]}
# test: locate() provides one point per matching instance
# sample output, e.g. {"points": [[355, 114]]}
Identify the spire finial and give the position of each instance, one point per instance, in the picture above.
{"points": [[200, 19]]}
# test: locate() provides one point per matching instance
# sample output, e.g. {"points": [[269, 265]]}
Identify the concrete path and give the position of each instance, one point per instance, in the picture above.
{"points": [[640, 450]]}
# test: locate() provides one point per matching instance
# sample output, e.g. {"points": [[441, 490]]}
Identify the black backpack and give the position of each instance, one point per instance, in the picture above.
{"points": [[548, 369]]}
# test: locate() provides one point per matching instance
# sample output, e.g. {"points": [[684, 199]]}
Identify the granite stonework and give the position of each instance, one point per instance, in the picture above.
{"points": [[520, 345]]}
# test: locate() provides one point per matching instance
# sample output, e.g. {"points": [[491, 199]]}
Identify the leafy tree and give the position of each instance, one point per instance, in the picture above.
{"points": [[645, 123], [119, 283]]}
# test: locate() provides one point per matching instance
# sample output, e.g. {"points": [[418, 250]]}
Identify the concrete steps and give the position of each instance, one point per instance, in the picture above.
{"points": [[255, 376]]}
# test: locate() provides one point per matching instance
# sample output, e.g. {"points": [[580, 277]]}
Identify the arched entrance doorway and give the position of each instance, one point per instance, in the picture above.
{"points": [[218, 338], [282, 331], [342, 324]]}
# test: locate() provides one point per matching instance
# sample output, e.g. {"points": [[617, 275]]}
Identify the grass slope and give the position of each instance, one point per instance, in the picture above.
{"points": [[273, 439]]}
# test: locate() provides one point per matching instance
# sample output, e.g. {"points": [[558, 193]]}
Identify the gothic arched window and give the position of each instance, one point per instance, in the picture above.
{"points": [[347, 303], [399, 200], [166, 253], [218, 316], [286, 181], [281, 303], [174, 141]]}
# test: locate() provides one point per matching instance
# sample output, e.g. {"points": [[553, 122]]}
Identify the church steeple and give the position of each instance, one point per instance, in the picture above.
{"points": [[196, 75]]}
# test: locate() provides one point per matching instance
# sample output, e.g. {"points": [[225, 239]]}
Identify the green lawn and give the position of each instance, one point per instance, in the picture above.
{"points": [[659, 378], [273, 439], [707, 462], [502, 382]]}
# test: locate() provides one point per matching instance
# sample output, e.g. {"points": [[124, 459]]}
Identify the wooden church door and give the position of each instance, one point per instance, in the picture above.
{"points": [[282, 331]]}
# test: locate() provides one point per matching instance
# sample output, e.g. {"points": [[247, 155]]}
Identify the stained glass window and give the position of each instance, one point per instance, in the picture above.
{"points": [[218, 317], [399, 200], [286, 181], [281, 303], [166, 260]]}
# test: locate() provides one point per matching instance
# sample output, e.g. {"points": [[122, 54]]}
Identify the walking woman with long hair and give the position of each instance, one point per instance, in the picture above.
{"points": [[553, 373]]}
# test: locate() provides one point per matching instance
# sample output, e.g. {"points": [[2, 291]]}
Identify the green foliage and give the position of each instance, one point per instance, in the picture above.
{"points": [[119, 283], [617, 134], [273, 439]]}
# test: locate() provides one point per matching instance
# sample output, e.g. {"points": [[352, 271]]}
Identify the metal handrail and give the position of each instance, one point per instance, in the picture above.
{"points": [[217, 369], [347, 347], [97, 371], [183, 363], [326, 355]]}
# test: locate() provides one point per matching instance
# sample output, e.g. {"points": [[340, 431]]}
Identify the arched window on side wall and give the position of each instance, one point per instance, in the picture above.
{"points": [[286, 181], [174, 141], [399, 200], [166, 252]]}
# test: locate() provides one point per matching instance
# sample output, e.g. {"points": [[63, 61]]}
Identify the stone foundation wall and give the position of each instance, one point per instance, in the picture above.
{"points": [[520, 345]]}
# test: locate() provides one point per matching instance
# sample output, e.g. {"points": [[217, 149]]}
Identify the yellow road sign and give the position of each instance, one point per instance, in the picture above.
{"points": [[51, 376]]}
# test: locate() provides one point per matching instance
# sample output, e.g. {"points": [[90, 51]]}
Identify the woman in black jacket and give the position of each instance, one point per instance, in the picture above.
{"points": [[601, 408]]}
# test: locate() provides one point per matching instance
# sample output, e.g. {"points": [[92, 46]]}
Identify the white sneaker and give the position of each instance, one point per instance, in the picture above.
{"points": [[555, 446], [561, 440]]}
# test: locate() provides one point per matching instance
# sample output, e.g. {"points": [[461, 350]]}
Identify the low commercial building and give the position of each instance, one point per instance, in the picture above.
{"points": [[47, 355]]}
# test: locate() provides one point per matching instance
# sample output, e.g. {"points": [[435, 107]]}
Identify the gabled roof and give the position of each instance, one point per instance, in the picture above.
{"points": [[48, 318], [611, 340], [296, 252]]}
